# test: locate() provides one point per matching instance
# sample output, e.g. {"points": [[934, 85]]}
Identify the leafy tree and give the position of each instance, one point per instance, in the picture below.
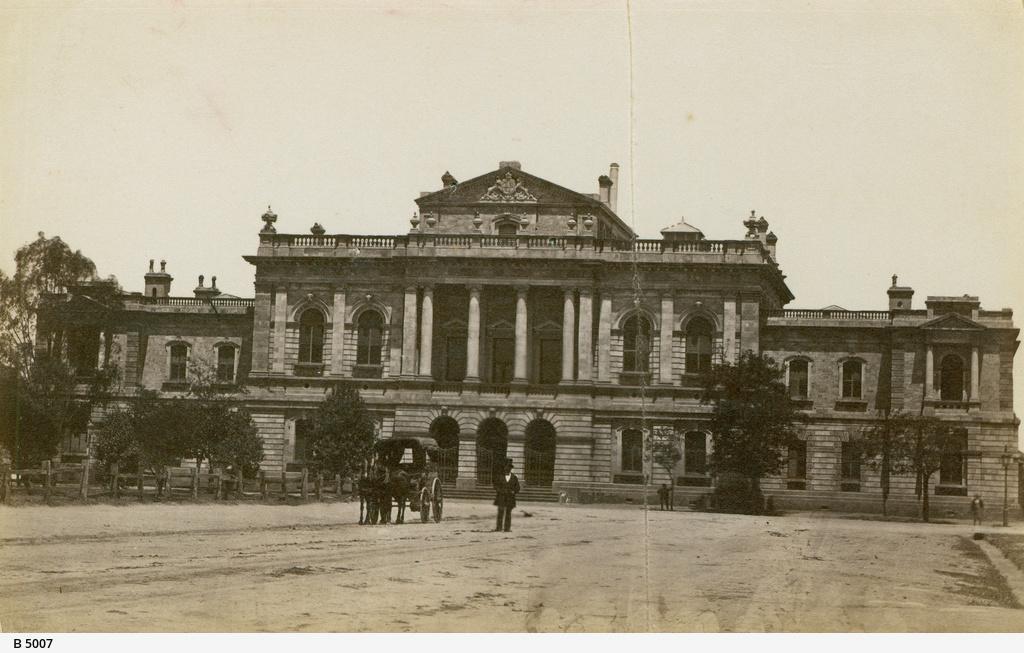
{"points": [[666, 454], [343, 432], [910, 444], [753, 421], [45, 265], [116, 441]]}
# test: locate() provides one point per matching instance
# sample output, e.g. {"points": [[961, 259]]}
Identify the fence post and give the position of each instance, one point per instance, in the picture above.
{"points": [[195, 481], [304, 492], [84, 489], [317, 485], [240, 489], [263, 484], [5, 483], [284, 483], [47, 480], [337, 484], [141, 480], [220, 486], [115, 479]]}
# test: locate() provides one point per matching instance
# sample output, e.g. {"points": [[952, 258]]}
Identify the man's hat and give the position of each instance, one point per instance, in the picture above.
{"points": [[508, 463]]}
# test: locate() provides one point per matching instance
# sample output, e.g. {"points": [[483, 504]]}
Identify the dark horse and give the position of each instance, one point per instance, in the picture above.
{"points": [[398, 487]]}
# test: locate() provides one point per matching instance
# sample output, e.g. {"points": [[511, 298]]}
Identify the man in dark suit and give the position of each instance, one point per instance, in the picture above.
{"points": [[506, 486]]}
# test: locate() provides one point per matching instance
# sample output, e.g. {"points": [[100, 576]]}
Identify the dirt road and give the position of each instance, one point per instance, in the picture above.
{"points": [[182, 567]]}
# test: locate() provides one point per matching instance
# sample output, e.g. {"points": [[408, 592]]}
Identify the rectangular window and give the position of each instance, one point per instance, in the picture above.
{"points": [[695, 453], [179, 363], [852, 372], [798, 460], [632, 451], [226, 364], [849, 468], [502, 359], [550, 360], [455, 358], [798, 379], [951, 465]]}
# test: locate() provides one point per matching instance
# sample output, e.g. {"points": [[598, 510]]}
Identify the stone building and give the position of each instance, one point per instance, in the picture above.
{"points": [[519, 318]]}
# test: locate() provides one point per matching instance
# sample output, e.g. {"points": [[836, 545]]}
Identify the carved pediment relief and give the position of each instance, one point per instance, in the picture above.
{"points": [[507, 188]]}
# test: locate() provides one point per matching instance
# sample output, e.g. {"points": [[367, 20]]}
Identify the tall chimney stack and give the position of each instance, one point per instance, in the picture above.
{"points": [[604, 186], [613, 199]]}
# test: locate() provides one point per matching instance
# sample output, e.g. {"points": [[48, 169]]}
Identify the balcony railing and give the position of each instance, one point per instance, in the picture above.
{"points": [[196, 301], [804, 314], [282, 244]]}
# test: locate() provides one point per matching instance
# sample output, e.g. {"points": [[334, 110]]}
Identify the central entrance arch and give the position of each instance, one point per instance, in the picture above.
{"points": [[491, 449], [539, 466], [445, 430]]}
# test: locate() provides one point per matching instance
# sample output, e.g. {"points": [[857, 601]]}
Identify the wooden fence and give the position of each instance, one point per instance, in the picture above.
{"points": [[86, 479]]}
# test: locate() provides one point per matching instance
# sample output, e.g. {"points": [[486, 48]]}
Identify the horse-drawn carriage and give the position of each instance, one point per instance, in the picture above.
{"points": [[402, 468]]}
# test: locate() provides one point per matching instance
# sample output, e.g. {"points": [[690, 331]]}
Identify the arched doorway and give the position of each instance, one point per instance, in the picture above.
{"points": [[445, 430], [491, 448], [952, 378], [539, 466]]}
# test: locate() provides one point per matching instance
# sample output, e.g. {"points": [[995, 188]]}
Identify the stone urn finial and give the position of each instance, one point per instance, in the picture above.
{"points": [[317, 229], [269, 218], [431, 220], [477, 220], [414, 220]]}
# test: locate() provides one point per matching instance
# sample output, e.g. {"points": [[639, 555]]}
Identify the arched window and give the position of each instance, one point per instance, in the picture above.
{"points": [[636, 345], [853, 372], [311, 336], [798, 385], [698, 346], [370, 329], [951, 378]]}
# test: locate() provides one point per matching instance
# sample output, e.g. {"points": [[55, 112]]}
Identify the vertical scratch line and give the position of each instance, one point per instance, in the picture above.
{"points": [[636, 276]]}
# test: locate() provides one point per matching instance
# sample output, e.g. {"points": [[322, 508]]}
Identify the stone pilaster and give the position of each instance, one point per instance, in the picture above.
{"points": [[604, 341], [519, 370], [729, 331], [427, 332], [665, 339], [584, 340], [568, 334], [409, 332], [280, 322], [473, 336], [338, 332]]}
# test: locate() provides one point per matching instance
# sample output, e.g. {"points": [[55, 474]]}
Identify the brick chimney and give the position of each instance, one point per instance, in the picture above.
{"points": [[613, 198], [206, 292], [604, 185]]}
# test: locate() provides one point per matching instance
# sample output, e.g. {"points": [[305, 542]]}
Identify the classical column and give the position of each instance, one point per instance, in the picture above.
{"points": [[338, 332], [409, 333], [929, 372], [975, 375], [583, 343], [604, 340], [473, 336], [427, 331], [665, 354], [519, 371], [280, 322], [568, 334]]}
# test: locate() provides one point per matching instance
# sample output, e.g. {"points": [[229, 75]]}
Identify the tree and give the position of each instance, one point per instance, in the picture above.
{"points": [[43, 266], [52, 404], [753, 422], [343, 432], [116, 440], [666, 454], [911, 444]]}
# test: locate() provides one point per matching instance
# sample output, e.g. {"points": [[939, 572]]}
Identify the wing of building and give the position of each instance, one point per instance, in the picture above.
{"points": [[519, 318]]}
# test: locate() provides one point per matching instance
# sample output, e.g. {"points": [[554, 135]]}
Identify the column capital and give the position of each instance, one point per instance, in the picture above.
{"points": [[410, 288], [428, 289], [521, 289], [568, 292], [474, 288], [586, 290]]}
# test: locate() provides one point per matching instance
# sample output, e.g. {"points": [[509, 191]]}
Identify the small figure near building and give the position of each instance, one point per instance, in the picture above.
{"points": [[506, 486], [663, 496], [977, 509]]}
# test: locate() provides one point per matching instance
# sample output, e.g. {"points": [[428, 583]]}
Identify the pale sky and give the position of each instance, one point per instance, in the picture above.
{"points": [[875, 137]]}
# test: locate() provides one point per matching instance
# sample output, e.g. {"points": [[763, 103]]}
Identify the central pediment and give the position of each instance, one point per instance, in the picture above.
{"points": [[509, 201], [952, 322]]}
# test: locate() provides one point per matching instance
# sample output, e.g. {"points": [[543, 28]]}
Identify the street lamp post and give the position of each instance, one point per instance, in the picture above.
{"points": [[1007, 459]]}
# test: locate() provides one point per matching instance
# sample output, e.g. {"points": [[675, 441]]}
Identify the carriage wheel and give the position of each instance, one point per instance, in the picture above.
{"points": [[438, 500], [424, 505]]}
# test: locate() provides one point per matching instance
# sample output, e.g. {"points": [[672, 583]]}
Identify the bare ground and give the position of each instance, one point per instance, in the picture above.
{"points": [[248, 567]]}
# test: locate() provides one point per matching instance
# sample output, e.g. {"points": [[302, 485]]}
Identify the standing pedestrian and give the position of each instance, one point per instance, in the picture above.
{"points": [[977, 509], [663, 496], [506, 486]]}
